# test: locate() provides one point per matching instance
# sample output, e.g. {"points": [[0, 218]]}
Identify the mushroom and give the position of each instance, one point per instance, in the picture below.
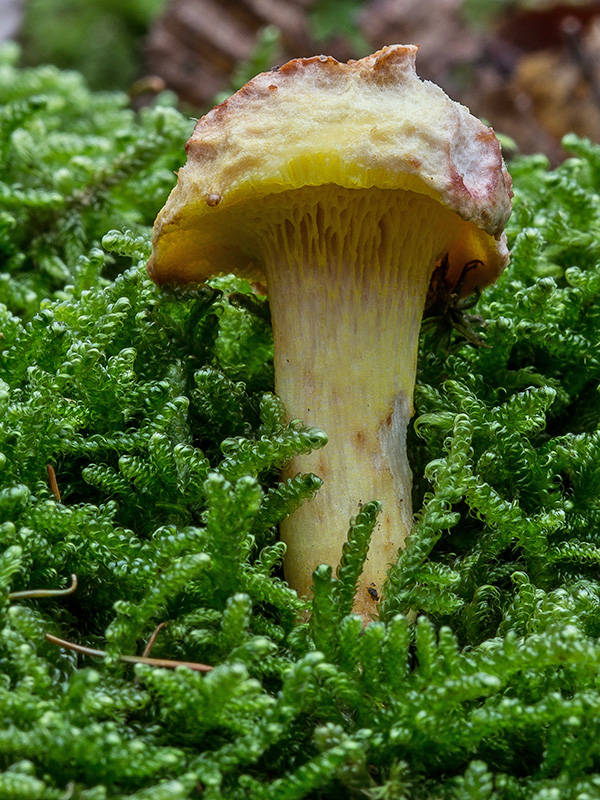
{"points": [[342, 187]]}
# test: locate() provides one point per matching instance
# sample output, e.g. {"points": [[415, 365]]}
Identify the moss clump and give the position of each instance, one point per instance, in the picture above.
{"points": [[155, 410]]}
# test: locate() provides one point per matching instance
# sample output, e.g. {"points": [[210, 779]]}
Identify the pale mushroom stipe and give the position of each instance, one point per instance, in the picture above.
{"points": [[341, 187]]}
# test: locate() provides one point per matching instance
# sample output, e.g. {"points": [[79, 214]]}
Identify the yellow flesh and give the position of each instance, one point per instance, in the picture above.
{"points": [[347, 273]]}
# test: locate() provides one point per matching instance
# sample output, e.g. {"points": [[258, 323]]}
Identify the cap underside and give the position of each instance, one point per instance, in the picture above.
{"points": [[202, 241]]}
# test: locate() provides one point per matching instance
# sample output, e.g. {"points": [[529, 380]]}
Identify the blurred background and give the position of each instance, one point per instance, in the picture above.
{"points": [[531, 68]]}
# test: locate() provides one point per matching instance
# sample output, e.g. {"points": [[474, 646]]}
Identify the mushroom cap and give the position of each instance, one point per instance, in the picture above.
{"points": [[316, 121]]}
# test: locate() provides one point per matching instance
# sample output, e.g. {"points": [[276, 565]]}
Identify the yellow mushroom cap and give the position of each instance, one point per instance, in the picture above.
{"points": [[316, 121]]}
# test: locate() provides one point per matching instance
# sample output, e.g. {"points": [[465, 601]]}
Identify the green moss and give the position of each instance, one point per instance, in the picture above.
{"points": [[155, 410], [101, 39]]}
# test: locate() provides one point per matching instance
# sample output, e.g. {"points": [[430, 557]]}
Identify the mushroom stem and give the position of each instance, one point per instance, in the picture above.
{"points": [[348, 278]]}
